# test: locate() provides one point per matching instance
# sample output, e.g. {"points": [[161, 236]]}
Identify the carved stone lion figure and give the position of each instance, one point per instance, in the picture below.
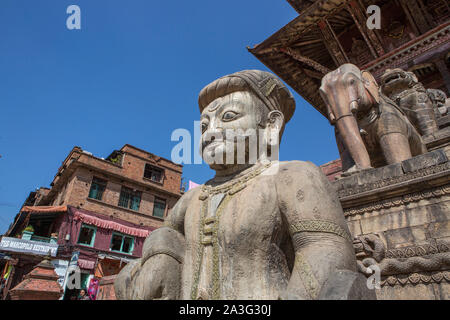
{"points": [[257, 230], [441, 104], [371, 130], [410, 95]]}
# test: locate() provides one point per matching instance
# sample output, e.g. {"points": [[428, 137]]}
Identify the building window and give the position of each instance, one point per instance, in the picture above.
{"points": [[153, 173], [87, 235], [122, 243], [98, 186], [130, 199], [159, 207]]}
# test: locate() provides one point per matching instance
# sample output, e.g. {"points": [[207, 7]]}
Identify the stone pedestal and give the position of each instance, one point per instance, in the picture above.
{"points": [[399, 215], [40, 284]]}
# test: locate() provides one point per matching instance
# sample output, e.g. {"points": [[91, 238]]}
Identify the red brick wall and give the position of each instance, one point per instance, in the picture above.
{"points": [[78, 190], [332, 169], [72, 183], [133, 167]]}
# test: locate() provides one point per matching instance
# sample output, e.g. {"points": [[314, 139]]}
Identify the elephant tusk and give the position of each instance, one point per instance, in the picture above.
{"points": [[354, 106], [332, 117]]}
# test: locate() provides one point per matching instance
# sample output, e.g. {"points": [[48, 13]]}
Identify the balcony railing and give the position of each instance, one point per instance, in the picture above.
{"points": [[40, 239]]}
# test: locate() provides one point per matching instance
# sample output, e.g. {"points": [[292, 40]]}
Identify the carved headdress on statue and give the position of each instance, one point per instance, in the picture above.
{"points": [[267, 87]]}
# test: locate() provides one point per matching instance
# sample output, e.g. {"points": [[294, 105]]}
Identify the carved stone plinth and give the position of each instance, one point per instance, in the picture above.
{"points": [[399, 215]]}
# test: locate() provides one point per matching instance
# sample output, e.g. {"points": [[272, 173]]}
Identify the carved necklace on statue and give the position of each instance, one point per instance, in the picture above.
{"points": [[235, 184], [209, 226]]}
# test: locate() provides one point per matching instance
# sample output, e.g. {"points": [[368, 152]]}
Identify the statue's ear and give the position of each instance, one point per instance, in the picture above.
{"points": [[371, 85], [275, 122]]}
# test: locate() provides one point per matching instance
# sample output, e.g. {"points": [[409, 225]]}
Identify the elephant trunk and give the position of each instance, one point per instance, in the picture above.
{"points": [[348, 127]]}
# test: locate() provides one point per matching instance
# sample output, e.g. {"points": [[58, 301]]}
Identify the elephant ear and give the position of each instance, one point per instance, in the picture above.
{"points": [[371, 85]]}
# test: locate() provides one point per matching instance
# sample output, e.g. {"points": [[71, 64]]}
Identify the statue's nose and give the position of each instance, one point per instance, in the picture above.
{"points": [[214, 124]]}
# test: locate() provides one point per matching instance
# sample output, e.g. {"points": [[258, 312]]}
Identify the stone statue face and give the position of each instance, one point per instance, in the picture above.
{"points": [[229, 125]]}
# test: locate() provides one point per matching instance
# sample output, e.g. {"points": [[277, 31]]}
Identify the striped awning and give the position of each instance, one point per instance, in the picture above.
{"points": [[44, 209]]}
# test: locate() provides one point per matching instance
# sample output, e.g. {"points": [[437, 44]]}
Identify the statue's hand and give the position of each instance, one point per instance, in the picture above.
{"points": [[156, 278]]}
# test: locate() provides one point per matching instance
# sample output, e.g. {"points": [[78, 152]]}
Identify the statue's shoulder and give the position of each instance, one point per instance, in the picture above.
{"points": [[191, 193], [297, 166], [300, 172]]}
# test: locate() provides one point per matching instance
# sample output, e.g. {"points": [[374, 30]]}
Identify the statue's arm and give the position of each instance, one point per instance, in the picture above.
{"points": [[317, 227], [157, 274]]}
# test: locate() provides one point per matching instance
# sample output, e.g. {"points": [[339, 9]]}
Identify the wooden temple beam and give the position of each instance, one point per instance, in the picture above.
{"points": [[369, 35], [416, 16], [308, 61], [332, 43], [306, 43], [313, 74], [442, 68]]}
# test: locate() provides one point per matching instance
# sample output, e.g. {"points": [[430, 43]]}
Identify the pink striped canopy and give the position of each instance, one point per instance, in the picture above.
{"points": [[108, 224]]}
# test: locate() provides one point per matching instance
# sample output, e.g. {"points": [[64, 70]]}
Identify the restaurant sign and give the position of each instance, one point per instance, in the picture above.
{"points": [[28, 246]]}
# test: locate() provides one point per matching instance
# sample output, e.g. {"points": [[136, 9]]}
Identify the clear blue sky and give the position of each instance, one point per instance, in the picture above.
{"points": [[131, 75]]}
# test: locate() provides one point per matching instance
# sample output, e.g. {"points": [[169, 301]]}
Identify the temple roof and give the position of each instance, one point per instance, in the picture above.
{"points": [[299, 5], [297, 52]]}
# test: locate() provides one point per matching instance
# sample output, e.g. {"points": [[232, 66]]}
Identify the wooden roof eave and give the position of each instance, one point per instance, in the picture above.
{"points": [[272, 47], [307, 18], [275, 54]]}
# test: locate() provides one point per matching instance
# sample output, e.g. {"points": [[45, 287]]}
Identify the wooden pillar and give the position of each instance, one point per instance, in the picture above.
{"points": [[409, 17], [332, 43], [442, 67], [10, 280], [427, 14], [417, 18], [369, 35]]}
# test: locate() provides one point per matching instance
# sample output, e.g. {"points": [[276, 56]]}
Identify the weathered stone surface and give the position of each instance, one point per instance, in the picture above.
{"points": [[370, 176], [354, 227], [347, 182], [393, 220], [426, 160], [410, 215], [407, 292], [405, 236], [444, 291], [347, 285]]}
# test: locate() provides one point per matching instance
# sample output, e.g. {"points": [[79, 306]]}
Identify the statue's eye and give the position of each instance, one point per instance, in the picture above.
{"points": [[204, 126], [229, 115]]}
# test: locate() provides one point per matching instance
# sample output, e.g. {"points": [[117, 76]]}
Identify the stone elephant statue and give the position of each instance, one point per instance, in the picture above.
{"points": [[371, 130]]}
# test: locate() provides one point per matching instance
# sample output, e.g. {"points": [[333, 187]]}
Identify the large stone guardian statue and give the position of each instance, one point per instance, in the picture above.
{"points": [[260, 229]]}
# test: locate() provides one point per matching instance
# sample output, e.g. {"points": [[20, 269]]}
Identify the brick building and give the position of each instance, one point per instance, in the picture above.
{"points": [[96, 215]]}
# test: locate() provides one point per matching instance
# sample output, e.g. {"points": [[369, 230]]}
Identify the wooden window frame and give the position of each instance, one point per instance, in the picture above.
{"points": [[150, 168], [93, 236], [157, 199], [131, 195], [121, 245], [99, 182]]}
